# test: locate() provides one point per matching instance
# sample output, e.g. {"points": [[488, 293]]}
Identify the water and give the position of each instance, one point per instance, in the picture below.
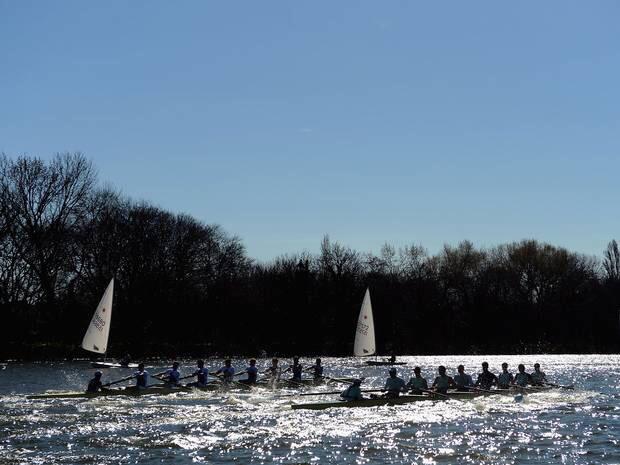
{"points": [[563, 426]]}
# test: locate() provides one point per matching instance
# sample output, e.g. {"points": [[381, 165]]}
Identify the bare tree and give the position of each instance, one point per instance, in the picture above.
{"points": [[611, 261], [43, 205]]}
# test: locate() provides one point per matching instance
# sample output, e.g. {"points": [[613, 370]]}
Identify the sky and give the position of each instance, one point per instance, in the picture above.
{"points": [[404, 122]]}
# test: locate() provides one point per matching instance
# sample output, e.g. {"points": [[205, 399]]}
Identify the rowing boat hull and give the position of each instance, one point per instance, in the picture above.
{"points": [[378, 363], [361, 403], [129, 391], [407, 399]]}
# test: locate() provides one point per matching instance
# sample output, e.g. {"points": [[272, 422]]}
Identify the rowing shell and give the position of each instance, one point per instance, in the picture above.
{"points": [[127, 391], [407, 399], [165, 390], [379, 363]]}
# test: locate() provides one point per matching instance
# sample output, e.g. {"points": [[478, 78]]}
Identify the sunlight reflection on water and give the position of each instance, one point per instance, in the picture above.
{"points": [[580, 426]]}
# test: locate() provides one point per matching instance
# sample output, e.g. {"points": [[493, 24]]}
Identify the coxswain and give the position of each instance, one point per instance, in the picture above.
{"points": [[172, 375], [538, 378], [142, 377], [227, 371], [505, 378], [522, 378], [252, 372], [95, 384], [353, 392], [443, 382], [317, 370], [463, 380], [394, 385], [417, 383], [486, 379], [202, 375], [296, 368]]}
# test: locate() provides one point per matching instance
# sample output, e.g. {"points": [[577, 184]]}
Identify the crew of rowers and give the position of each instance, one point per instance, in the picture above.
{"points": [[395, 385], [225, 374]]}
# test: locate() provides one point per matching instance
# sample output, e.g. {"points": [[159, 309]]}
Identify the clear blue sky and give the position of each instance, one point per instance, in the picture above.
{"points": [[399, 121]]}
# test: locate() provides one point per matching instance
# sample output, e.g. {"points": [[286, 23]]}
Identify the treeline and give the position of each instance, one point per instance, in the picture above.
{"points": [[188, 288]]}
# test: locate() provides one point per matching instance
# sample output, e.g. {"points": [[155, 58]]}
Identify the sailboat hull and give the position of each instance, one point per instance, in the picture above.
{"points": [[112, 365]]}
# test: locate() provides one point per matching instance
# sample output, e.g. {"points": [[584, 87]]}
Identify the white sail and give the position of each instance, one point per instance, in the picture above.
{"points": [[96, 337], [365, 332]]}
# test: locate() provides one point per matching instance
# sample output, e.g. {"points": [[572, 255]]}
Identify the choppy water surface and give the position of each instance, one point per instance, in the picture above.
{"points": [[580, 426]]}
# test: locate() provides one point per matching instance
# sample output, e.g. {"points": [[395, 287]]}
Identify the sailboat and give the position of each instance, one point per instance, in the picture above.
{"points": [[96, 337], [364, 344]]}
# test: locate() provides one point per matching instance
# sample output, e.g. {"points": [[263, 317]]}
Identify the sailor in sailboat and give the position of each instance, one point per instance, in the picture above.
{"points": [[125, 361]]}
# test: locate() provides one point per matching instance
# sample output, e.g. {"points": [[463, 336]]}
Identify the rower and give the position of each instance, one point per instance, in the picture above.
{"points": [[172, 375], [252, 372], [201, 373], [317, 370], [486, 379], [296, 368], [463, 380], [392, 359], [505, 378], [394, 385], [95, 385], [273, 371], [227, 371], [142, 377], [522, 378], [417, 383], [353, 392], [443, 381], [538, 378]]}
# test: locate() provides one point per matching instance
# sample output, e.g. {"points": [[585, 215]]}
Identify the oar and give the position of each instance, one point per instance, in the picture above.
{"points": [[160, 373], [338, 380], [434, 393], [524, 388], [311, 394], [326, 393], [488, 391], [118, 381], [185, 377], [570, 386], [294, 383]]}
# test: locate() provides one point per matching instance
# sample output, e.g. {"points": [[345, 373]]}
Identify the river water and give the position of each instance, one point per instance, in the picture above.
{"points": [[580, 426]]}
